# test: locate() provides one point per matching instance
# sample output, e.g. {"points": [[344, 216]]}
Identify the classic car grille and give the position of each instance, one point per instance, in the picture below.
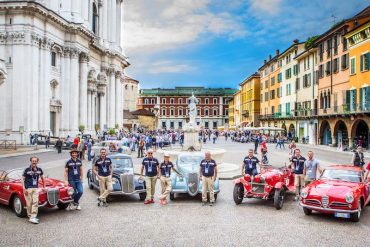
{"points": [[53, 196], [313, 202], [339, 205], [193, 183], [258, 188], [127, 183], [325, 201]]}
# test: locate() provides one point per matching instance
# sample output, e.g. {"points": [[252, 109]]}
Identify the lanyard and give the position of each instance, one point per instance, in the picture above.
{"points": [[34, 177], [74, 167]]}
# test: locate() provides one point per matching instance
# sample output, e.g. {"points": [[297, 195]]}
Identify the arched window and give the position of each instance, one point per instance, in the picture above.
{"points": [[132, 87], [95, 19], [126, 87], [53, 85], [180, 100], [172, 101], [207, 101]]}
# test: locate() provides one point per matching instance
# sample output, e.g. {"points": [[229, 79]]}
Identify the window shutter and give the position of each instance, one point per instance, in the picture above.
{"points": [[362, 58], [367, 98], [367, 64]]}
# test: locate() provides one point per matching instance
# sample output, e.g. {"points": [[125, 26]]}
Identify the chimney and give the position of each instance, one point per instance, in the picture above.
{"points": [[270, 57], [265, 61], [296, 41], [277, 52]]}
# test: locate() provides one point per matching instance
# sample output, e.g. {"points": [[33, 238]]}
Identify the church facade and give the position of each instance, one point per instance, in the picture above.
{"points": [[61, 67]]}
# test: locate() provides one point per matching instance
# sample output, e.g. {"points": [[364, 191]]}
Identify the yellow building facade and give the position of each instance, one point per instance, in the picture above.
{"points": [[250, 100]]}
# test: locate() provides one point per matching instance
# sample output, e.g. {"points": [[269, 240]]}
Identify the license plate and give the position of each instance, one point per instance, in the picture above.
{"points": [[342, 215]]}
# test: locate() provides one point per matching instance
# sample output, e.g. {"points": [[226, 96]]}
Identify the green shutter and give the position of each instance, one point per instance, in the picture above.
{"points": [[367, 98], [362, 58], [367, 57]]}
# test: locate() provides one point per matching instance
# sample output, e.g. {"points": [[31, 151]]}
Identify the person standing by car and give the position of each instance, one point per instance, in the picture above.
{"points": [[256, 143], [103, 170], [89, 147], [208, 174], [249, 165], [297, 163], [366, 179], [30, 183], [165, 169], [58, 145], [47, 142], [311, 167], [140, 151], [151, 166], [73, 174], [358, 157]]}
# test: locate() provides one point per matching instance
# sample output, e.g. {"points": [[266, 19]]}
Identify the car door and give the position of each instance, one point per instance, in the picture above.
{"points": [[4, 188]]}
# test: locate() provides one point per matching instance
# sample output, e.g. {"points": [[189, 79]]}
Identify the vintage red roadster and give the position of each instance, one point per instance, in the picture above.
{"points": [[11, 192], [340, 190], [271, 183]]}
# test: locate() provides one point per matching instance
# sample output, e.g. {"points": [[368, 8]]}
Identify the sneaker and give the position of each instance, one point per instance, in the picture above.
{"points": [[70, 207], [147, 202], [34, 220], [78, 207], [211, 204], [164, 202], [105, 204]]}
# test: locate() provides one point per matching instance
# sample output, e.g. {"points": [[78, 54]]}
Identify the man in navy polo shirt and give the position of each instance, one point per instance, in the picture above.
{"points": [[249, 165], [208, 175], [73, 174], [103, 170], [30, 183], [297, 163], [151, 166]]}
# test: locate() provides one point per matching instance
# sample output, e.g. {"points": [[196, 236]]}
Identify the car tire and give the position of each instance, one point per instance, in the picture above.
{"points": [[238, 193], [172, 196], [89, 182], [355, 217], [279, 198], [307, 211], [142, 196], [19, 207], [62, 206]]}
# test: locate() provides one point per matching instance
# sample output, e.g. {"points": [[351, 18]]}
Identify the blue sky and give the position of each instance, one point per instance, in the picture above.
{"points": [[218, 43]]}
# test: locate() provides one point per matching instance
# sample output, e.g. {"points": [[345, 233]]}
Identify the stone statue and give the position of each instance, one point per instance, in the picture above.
{"points": [[193, 101]]}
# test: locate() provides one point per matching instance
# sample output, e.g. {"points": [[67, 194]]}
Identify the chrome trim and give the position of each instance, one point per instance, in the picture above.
{"points": [[119, 192], [325, 201], [60, 200], [328, 209]]}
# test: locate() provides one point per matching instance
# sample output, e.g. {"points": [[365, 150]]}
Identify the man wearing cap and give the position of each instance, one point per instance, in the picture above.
{"points": [[208, 175], [103, 170], [30, 183], [151, 166], [249, 165], [73, 174], [165, 176]]}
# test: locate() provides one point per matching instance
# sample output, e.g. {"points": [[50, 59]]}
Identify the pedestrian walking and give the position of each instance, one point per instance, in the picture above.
{"points": [[140, 151], [256, 143], [89, 147], [59, 145], [358, 157], [151, 166], [73, 172], [165, 169], [103, 170], [311, 169], [292, 147], [264, 158], [80, 148], [47, 142], [297, 163], [31, 139], [249, 165], [208, 174], [30, 183]]}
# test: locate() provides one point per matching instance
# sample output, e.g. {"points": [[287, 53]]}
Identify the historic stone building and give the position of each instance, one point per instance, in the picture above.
{"points": [[171, 105], [61, 66], [130, 94]]}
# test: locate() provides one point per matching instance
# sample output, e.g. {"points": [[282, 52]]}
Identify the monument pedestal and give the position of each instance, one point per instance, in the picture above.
{"points": [[191, 141]]}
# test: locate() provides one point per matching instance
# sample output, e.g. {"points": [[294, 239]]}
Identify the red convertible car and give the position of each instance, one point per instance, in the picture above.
{"points": [[271, 183], [11, 192], [340, 190]]}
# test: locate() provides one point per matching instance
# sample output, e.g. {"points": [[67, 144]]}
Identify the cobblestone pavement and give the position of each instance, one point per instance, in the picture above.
{"points": [[183, 222]]}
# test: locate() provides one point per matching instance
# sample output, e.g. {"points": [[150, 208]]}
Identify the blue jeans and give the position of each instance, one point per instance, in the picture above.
{"points": [[89, 154], [252, 172], [78, 187]]}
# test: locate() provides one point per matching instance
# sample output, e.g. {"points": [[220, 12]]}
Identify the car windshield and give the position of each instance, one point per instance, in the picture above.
{"points": [[343, 175], [14, 174], [120, 163], [189, 160]]}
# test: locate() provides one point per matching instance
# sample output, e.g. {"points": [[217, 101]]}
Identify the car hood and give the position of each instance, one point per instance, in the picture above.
{"points": [[331, 188], [184, 169]]}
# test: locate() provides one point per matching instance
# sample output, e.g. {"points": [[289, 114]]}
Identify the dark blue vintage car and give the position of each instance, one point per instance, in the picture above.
{"points": [[125, 182]]}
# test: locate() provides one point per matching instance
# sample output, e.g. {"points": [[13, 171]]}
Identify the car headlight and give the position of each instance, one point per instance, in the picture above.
{"points": [[115, 180], [304, 194], [349, 198], [70, 191]]}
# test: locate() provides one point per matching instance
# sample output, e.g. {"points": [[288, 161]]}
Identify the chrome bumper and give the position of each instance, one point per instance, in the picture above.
{"points": [[60, 201], [119, 192], [327, 209]]}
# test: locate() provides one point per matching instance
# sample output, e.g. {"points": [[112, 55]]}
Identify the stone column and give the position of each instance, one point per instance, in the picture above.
{"points": [[65, 86], [89, 109], [101, 90], [83, 90], [93, 110], [74, 91], [119, 24], [46, 96], [112, 98], [35, 47], [119, 105], [105, 21], [113, 22]]}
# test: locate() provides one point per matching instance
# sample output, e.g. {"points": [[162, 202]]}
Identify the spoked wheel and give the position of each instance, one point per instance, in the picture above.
{"points": [[18, 207], [89, 182], [355, 217], [238, 193], [279, 198]]}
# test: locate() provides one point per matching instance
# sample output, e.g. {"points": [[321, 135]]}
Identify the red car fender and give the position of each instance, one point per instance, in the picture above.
{"points": [[239, 181], [18, 193], [279, 185]]}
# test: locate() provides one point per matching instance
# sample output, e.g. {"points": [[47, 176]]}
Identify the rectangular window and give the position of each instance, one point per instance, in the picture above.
{"points": [[288, 89], [344, 42], [288, 73], [364, 62], [172, 125], [261, 97], [172, 112], [280, 63], [335, 65], [279, 108], [180, 124], [345, 61], [163, 124], [272, 109], [272, 94], [172, 101], [206, 125], [214, 112], [266, 84], [163, 112], [214, 101], [296, 69], [266, 96], [261, 85], [207, 101], [180, 112], [272, 81], [335, 45], [280, 77], [328, 68], [53, 59], [297, 84], [321, 71], [287, 108], [353, 65], [163, 100]]}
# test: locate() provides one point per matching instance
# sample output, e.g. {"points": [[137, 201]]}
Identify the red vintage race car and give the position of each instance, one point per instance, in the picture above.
{"points": [[11, 192], [271, 183], [340, 190]]}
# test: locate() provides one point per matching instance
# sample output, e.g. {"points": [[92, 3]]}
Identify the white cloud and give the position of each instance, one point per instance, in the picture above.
{"points": [[169, 67], [159, 25], [265, 7]]}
